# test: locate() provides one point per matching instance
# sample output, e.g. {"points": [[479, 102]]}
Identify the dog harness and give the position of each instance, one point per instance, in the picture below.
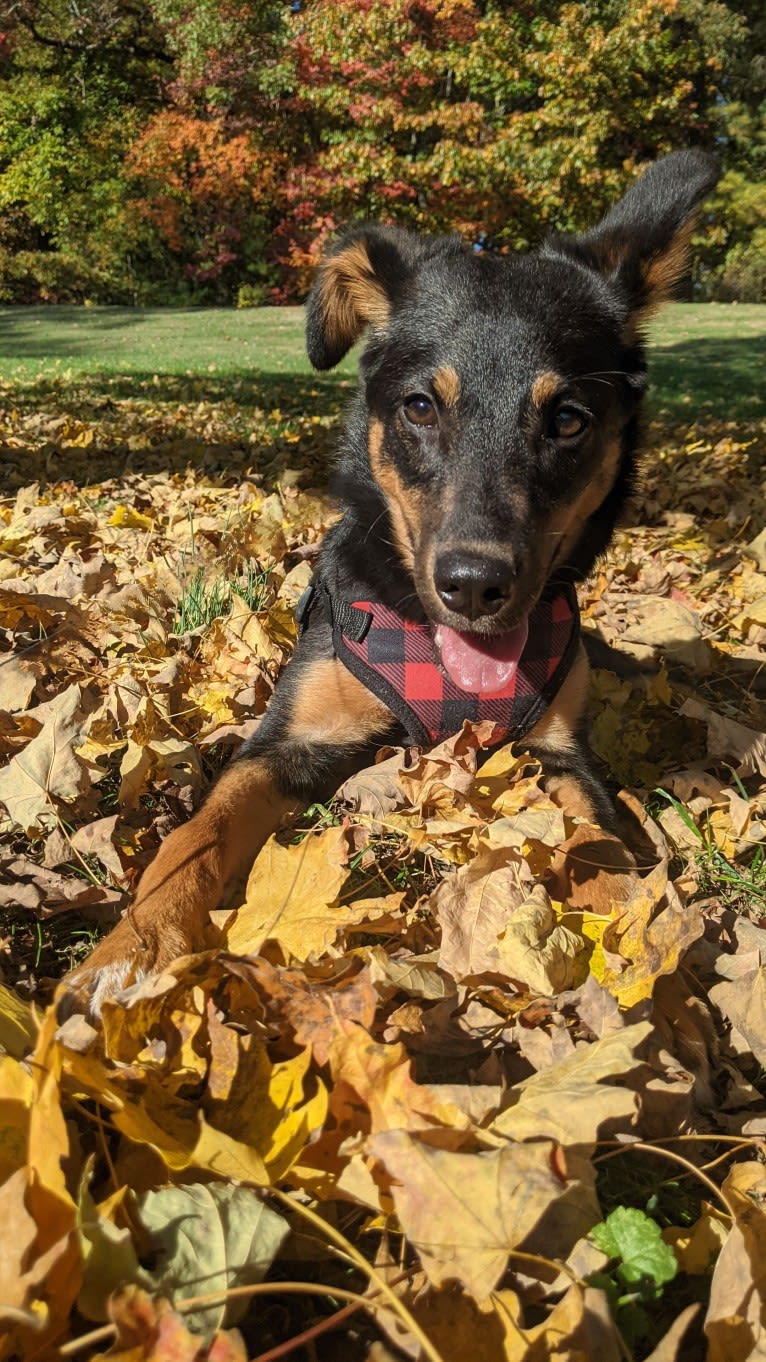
{"points": [[397, 660]]}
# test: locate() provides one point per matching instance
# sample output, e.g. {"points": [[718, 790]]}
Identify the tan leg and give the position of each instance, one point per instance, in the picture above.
{"points": [[188, 877], [556, 739], [317, 728]]}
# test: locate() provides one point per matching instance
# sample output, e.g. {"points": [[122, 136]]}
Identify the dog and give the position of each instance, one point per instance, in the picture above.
{"points": [[486, 457]]}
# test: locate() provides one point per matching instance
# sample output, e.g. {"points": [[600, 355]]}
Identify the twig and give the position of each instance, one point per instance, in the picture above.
{"points": [[673, 1158], [107, 1331], [397, 1305]]}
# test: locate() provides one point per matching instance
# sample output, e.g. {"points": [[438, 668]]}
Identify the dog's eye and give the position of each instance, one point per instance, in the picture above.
{"points": [[420, 410], [567, 424]]}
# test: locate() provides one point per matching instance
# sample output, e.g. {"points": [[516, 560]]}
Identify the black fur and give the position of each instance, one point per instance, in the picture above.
{"points": [[492, 470]]}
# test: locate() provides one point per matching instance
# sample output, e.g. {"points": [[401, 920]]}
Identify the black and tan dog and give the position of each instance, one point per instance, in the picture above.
{"points": [[489, 450]]}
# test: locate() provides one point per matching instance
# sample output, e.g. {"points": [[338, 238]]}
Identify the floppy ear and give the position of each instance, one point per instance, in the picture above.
{"points": [[643, 242], [356, 285]]}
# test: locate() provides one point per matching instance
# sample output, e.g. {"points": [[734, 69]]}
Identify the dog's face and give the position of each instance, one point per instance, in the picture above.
{"points": [[500, 398], [495, 414]]}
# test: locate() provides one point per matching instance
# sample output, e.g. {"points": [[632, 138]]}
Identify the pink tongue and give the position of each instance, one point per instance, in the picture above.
{"points": [[480, 664]]}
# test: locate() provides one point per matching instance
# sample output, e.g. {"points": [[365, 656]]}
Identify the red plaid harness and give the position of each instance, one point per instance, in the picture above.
{"points": [[397, 660]]}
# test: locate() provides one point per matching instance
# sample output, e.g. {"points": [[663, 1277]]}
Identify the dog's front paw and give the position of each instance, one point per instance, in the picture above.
{"points": [[130, 952]]}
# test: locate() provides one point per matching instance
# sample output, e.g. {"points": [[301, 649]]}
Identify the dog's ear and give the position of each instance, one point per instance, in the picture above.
{"points": [[643, 242], [356, 285]]}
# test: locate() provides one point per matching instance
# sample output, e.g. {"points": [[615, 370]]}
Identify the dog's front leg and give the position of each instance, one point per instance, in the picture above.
{"points": [[558, 741], [320, 727]]}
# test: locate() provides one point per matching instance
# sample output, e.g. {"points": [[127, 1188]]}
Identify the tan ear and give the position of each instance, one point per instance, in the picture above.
{"points": [[643, 243], [661, 272], [347, 297], [358, 284]]}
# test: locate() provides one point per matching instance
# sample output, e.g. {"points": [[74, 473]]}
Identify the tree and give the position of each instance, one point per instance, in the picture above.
{"points": [[502, 119]]}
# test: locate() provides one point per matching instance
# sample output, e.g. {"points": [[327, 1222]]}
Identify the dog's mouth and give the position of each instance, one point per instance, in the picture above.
{"points": [[484, 664]]}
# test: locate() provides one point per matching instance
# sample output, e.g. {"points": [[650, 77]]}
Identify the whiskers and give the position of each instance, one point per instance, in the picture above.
{"points": [[604, 376]]}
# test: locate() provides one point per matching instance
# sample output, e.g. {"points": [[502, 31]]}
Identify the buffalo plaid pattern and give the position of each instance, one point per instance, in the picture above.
{"points": [[396, 659]]}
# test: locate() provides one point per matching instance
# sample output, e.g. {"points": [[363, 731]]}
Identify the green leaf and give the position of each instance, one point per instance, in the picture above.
{"points": [[209, 1238], [633, 1237]]}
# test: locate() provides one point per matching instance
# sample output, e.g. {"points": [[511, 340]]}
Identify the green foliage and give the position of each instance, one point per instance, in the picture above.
{"points": [[642, 1264], [642, 1260], [207, 598], [739, 885], [170, 153]]}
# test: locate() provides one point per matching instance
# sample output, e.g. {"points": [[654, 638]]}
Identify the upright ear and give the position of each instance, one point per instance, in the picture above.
{"points": [[356, 286], [643, 242]]}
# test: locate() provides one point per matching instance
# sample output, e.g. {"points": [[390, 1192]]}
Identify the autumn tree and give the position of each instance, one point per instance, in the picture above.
{"points": [[501, 119], [159, 151], [76, 83]]}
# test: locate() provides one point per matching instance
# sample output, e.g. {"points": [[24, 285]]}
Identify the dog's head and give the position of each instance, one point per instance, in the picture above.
{"points": [[500, 397]]}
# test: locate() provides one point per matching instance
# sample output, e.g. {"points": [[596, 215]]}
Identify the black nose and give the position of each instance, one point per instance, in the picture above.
{"points": [[471, 584]]}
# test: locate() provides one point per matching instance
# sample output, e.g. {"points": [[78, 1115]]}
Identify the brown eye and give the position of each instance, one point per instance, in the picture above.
{"points": [[420, 410], [567, 424]]}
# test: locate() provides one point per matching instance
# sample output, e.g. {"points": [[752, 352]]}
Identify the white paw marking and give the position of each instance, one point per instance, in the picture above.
{"points": [[106, 982]]}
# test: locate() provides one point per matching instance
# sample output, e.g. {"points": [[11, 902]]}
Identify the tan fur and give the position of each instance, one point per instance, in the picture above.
{"points": [[567, 792], [351, 296], [331, 705], [447, 385], [546, 386], [404, 505], [190, 874], [663, 272], [568, 522], [556, 730], [561, 720]]}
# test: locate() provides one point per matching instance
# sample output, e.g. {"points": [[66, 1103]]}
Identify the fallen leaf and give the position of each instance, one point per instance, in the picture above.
{"points": [[290, 898], [208, 1238], [729, 739], [473, 907], [47, 771], [735, 1324], [486, 1203]]}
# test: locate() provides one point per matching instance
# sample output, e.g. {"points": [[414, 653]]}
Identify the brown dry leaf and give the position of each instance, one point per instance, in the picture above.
{"points": [[729, 739], [465, 1212], [735, 1323], [579, 1327], [18, 678], [671, 628], [47, 771], [45, 1276], [743, 1001], [315, 1008], [49, 892], [697, 1246], [432, 780], [376, 791], [473, 907], [98, 839], [380, 1076], [534, 949], [40, 1283], [417, 975], [151, 1331], [671, 1347], [578, 1099]]}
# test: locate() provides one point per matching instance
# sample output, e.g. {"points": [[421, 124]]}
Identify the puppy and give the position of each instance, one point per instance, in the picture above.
{"points": [[487, 455]]}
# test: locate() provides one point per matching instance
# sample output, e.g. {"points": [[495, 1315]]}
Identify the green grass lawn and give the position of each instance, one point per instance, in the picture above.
{"points": [[710, 356]]}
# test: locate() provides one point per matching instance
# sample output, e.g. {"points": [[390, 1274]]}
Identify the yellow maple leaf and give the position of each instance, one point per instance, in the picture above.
{"points": [[127, 518], [289, 897]]}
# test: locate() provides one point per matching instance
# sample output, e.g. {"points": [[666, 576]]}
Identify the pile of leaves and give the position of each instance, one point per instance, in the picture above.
{"points": [[457, 1075]]}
